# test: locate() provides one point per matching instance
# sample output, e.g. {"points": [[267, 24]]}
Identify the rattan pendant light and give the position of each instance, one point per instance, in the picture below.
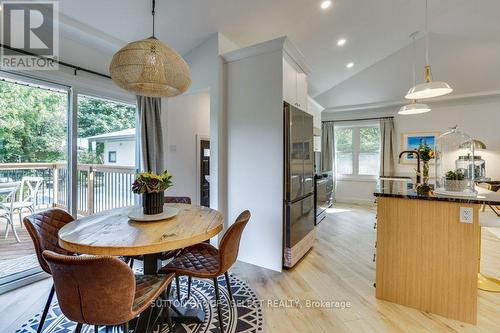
{"points": [[150, 68]]}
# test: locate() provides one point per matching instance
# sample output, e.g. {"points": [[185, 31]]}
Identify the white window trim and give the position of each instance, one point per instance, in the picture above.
{"points": [[355, 176]]}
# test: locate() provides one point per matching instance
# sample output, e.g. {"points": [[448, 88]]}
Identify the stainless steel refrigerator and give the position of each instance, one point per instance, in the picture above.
{"points": [[299, 210]]}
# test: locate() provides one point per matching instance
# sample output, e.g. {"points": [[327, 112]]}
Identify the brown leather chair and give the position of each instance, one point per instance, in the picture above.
{"points": [[43, 228], [205, 261], [102, 290], [170, 254]]}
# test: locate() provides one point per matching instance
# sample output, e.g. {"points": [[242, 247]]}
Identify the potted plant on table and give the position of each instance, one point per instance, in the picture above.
{"points": [[152, 187], [455, 181]]}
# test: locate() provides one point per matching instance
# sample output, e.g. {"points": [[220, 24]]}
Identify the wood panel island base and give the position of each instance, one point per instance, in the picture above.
{"points": [[427, 258]]}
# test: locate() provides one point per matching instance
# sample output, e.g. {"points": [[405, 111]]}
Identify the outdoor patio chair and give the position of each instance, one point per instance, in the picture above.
{"points": [[8, 190], [32, 184]]}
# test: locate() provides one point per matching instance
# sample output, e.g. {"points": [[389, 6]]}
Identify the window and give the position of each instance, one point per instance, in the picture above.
{"points": [[112, 157], [344, 151], [106, 153], [357, 151], [106, 128]]}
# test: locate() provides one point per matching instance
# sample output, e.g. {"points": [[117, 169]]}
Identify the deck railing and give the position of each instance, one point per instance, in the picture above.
{"points": [[99, 187]]}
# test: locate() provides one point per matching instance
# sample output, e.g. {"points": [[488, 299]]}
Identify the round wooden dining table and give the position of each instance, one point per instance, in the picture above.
{"points": [[112, 233]]}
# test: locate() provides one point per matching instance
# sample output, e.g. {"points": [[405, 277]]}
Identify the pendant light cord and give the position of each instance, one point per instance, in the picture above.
{"points": [[414, 57], [153, 13], [414, 50], [426, 33]]}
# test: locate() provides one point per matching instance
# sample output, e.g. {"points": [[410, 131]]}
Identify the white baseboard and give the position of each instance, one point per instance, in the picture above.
{"points": [[355, 200]]}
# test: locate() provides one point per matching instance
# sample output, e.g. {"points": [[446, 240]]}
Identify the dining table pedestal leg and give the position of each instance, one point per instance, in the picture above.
{"points": [[180, 314]]}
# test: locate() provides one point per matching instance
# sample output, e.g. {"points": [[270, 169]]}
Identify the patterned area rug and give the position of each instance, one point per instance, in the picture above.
{"points": [[245, 316]]}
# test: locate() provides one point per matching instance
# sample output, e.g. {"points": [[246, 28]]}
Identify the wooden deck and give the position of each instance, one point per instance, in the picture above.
{"points": [[10, 248]]}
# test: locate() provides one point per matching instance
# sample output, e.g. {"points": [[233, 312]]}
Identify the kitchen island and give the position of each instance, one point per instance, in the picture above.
{"points": [[427, 251]]}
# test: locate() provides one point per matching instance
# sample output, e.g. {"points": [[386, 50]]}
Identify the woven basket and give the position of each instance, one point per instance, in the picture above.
{"points": [[150, 68], [455, 185]]}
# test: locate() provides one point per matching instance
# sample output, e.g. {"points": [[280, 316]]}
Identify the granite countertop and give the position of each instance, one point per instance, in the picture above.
{"points": [[406, 190]]}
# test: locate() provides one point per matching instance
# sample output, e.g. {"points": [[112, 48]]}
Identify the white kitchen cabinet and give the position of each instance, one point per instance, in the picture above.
{"points": [[302, 90], [294, 84], [289, 83]]}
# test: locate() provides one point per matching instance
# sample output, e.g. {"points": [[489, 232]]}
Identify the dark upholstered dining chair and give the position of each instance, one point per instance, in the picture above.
{"points": [[43, 228], [170, 254], [205, 261], [179, 200], [102, 290]]}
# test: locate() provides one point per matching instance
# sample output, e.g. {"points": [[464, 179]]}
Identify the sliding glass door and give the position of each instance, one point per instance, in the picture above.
{"points": [[78, 151], [33, 149]]}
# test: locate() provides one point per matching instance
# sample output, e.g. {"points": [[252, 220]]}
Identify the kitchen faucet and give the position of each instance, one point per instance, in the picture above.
{"points": [[413, 152]]}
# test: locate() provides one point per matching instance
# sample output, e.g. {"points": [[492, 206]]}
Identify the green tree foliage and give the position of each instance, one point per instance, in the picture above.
{"points": [[98, 116], [369, 139], [344, 139], [33, 123]]}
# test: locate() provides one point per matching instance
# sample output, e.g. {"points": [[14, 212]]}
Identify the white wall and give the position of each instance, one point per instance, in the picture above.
{"points": [[125, 152], [353, 191], [187, 118], [478, 117], [207, 72], [315, 110], [255, 154]]}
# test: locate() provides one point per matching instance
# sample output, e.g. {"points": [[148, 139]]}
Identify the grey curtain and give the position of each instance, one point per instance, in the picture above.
{"points": [[327, 143], [151, 133], [387, 147]]}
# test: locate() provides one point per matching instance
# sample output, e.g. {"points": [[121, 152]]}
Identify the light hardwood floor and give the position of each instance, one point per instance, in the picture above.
{"points": [[339, 267]]}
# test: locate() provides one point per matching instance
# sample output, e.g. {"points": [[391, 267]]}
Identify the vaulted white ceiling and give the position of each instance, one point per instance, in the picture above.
{"points": [[375, 30]]}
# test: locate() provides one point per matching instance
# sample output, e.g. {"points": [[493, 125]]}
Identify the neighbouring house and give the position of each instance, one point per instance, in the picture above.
{"points": [[119, 147]]}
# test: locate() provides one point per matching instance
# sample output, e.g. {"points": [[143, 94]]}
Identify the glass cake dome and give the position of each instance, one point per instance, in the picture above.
{"points": [[455, 164]]}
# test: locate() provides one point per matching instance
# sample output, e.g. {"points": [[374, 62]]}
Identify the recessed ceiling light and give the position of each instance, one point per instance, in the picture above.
{"points": [[350, 65], [326, 4], [341, 42]]}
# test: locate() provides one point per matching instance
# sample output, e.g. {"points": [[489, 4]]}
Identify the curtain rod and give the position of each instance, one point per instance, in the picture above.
{"points": [[74, 67], [337, 121]]}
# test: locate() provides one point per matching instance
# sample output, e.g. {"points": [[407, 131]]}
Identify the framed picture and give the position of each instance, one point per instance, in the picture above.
{"points": [[412, 140]]}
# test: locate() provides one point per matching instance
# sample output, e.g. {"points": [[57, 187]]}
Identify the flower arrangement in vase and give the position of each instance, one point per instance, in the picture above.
{"points": [[426, 154], [152, 187]]}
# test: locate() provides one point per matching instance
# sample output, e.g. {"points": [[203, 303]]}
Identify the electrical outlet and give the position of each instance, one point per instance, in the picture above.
{"points": [[466, 215]]}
